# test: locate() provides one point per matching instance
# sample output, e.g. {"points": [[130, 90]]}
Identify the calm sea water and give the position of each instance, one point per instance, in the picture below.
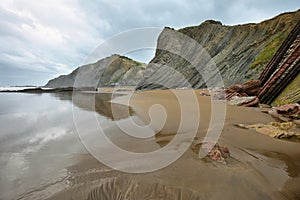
{"points": [[39, 143], [41, 152]]}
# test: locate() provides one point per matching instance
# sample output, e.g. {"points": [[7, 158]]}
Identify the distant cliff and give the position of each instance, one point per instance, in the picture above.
{"points": [[113, 70], [240, 52]]}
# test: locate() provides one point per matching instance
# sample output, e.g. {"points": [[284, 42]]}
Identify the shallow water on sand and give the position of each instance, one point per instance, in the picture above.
{"points": [[41, 152], [42, 156]]}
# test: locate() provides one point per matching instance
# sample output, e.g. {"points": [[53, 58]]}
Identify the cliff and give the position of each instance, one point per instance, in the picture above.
{"points": [[113, 70], [240, 52], [281, 76]]}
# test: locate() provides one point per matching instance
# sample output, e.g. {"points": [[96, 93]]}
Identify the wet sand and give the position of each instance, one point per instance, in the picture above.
{"points": [[60, 167], [261, 167]]}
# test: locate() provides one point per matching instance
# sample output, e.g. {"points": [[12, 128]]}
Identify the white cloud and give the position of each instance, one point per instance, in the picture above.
{"points": [[54, 36], [45, 36]]}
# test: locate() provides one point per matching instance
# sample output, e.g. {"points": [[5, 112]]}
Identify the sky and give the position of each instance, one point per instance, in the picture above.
{"points": [[41, 39]]}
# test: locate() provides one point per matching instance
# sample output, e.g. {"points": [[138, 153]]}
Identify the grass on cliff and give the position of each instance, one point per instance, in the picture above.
{"points": [[269, 51], [133, 61], [290, 94]]}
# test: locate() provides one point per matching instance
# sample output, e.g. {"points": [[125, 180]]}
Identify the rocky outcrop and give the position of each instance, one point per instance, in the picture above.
{"points": [[240, 52], [244, 101], [241, 94], [286, 112], [282, 69], [110, 71], [275, 129], [215, 152], [250, 88]]}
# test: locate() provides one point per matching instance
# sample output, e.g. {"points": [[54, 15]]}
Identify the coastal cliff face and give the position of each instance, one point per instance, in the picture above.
{"points": [[240, 52], [281, 76], [113, 70]]}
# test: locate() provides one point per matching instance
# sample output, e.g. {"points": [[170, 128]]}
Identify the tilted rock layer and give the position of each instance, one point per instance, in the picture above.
{"points": [[113, 70], [280, 78], [240, 52]]}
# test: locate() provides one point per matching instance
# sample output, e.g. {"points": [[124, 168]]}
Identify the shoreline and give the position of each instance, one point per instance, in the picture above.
{"points": [[259, 166]]}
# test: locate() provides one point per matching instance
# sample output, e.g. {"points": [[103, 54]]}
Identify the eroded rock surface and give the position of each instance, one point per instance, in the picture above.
{"points": [[240, 52], [110, 71], [274, 129]]}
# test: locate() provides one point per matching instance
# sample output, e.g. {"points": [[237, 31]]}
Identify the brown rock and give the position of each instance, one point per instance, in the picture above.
{"points": [[216, 152], [236, 88], [219, 153], [252, 103], [286, 112], [252, 88], [289, 109], [282, 69], [248, 89]]}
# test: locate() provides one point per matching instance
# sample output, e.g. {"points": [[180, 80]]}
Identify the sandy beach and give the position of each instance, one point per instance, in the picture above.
{"points": [[260, 167], [150, 100]]}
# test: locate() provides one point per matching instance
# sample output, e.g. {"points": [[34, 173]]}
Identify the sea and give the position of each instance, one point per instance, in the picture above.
{"points": [[15, 88]]}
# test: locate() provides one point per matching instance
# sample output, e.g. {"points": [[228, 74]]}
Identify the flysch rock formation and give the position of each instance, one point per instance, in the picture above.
{"points": [[240, 52], [110, 71], [280, 78]]}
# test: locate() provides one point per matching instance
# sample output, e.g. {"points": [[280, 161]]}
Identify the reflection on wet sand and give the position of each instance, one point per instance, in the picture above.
{"points": [[43, 158], [98, 102], [110, 118]]}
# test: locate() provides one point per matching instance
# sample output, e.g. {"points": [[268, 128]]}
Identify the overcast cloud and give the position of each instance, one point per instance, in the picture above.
{"points": [[41, 39]]}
